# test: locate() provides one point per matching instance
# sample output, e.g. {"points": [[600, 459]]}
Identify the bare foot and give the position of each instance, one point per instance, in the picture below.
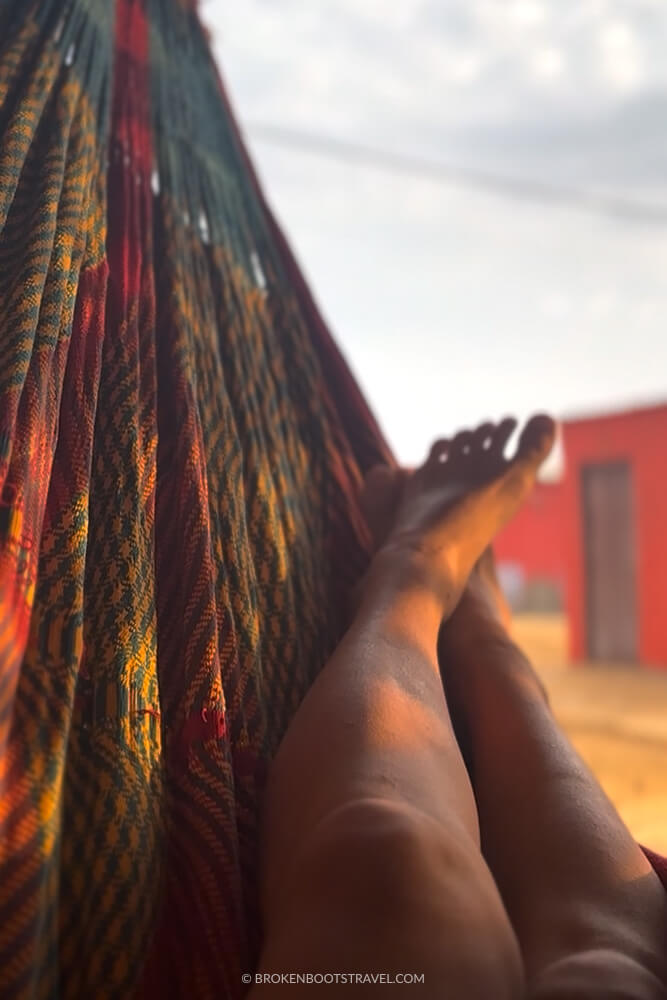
{"points": [[438, 519]]}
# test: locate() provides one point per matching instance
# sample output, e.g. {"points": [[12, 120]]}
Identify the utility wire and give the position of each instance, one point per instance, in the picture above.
{"points": [[523, 188]]}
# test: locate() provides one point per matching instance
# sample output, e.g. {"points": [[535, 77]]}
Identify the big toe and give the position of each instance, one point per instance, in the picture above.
{"points": [[537, 438]]}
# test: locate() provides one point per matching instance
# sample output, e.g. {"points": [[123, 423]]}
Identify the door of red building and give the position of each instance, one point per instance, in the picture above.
{"points": [[610, 561]]}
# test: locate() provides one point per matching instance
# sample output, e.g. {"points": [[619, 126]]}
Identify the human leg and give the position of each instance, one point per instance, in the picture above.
{"points": [[589, 912], [372, 854]]}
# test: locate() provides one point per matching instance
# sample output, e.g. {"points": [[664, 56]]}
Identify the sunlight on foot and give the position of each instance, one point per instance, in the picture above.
{"points": [[445, 513]]}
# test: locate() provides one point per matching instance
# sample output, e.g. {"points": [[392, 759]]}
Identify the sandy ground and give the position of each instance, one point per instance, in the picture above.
{"points": [[617, 719]]}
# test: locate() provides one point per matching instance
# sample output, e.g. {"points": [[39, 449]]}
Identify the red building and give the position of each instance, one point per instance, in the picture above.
{"points": [[529, 552], [600, 536]]}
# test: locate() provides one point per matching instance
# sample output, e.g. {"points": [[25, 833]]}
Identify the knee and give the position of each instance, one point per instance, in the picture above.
{"points": [[597, 974], [415, 892], [389, 846]]}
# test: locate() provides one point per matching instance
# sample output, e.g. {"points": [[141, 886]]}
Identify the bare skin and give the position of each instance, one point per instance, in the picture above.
{"points": [[588, 910], [372, 853], [373, 860]]}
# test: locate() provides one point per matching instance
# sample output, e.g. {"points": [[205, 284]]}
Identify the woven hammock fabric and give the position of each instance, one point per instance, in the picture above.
{"points": [[181, 448]]}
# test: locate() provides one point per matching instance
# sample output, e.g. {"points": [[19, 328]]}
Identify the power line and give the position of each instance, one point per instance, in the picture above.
{"points": [[521, 188]]}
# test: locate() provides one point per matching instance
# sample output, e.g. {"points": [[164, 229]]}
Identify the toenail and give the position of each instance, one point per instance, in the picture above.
{"points": [[486, 443], [466, 449], [442, 457]]}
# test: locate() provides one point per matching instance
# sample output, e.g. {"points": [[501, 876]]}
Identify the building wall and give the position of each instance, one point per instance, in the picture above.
{"points": [[640, 438], [533, 539], [546, 537]]}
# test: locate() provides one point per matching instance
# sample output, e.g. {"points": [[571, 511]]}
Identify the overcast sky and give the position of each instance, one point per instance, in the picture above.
{"points": [[455, 303]]}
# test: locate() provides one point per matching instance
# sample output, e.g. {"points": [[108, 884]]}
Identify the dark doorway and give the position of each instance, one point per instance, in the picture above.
{"points": [[610, 562]]}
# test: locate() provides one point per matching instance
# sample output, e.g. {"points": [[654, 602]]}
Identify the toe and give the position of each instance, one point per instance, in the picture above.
{"points": [[502, 434], [461, 446], [537, 437], [439, 451], [535, 444], [486, 460], [483, 436]]}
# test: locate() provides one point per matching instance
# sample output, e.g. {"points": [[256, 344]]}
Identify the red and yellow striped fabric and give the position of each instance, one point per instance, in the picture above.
{"points": [[181, 447]]}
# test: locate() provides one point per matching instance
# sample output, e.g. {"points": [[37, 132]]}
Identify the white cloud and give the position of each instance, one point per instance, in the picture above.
{"points": [[526, 13], [556, 305], [620, 55], [547, 63], [600, 304], [466, 67]]}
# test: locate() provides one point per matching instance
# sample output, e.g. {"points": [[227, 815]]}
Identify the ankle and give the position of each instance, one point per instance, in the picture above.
{"points": [[403, 567], [401, 594]]}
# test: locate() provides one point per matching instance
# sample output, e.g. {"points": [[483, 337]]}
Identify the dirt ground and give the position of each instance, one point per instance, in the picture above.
{"points": [[617, 719]]}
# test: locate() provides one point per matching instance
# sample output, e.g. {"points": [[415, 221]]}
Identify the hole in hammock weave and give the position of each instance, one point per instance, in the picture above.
{"points": [[69, 55], [257, 271], [204, 230]]}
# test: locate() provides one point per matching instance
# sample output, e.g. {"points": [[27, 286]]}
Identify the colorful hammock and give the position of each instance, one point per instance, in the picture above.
{"points": [[181, 447]]}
